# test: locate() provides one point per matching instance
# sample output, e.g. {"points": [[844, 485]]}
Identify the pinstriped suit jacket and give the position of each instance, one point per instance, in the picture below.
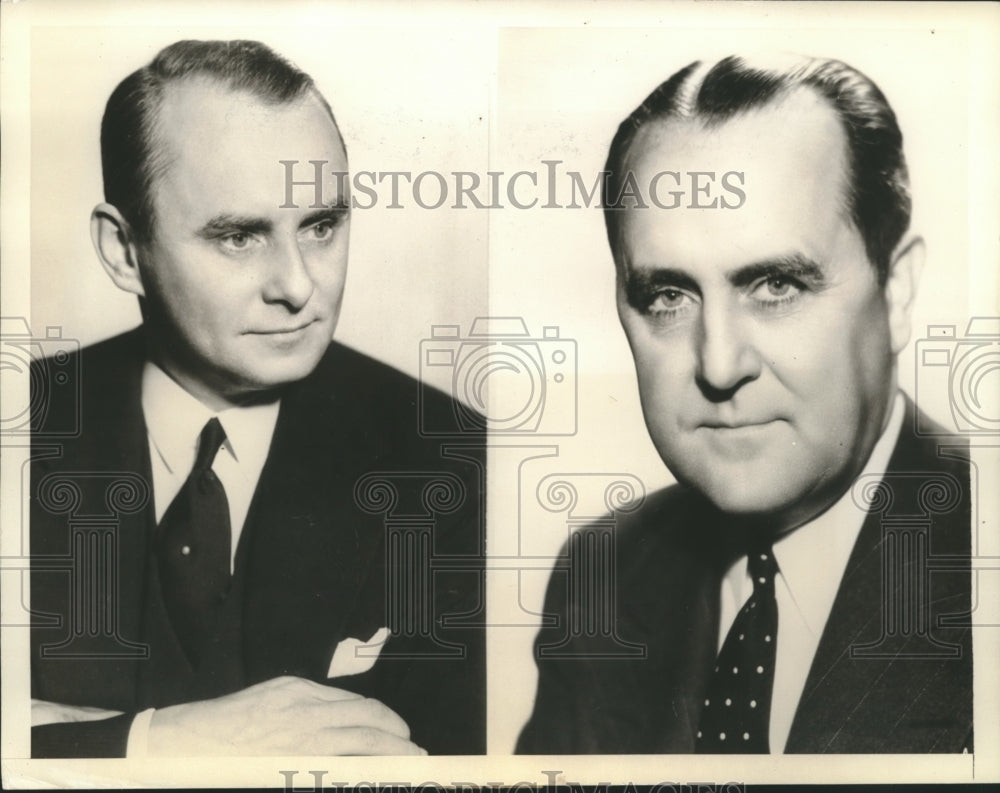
{"points": [[882, 679]]}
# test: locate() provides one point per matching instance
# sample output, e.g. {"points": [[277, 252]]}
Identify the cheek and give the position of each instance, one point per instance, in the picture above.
{"points": [[839, 376], [329, 270], [172, 293], [824, 353], [187, 282], [660, 360], [865, 350], [663, 383]]}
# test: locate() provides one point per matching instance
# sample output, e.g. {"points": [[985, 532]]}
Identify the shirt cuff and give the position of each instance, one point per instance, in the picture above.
{"points": [[138, 734]]}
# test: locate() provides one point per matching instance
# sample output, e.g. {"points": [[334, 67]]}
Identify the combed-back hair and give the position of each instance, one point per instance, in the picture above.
{"points": [[877, 198], [133, 156]]}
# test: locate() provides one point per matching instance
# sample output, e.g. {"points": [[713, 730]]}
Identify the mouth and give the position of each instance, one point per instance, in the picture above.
{"points": [[739, 426], [283, 332], [740, 440]]}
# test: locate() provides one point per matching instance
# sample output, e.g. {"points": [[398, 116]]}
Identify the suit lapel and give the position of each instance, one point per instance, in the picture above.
{"points": [[127, 451], [307, 550], [690, 664], [835, 685], [673, 607], [888, 703], [109, 464], [132, 455]]}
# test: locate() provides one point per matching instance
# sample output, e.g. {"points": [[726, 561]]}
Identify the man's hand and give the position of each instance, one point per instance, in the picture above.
{"points": [[283, 716]]}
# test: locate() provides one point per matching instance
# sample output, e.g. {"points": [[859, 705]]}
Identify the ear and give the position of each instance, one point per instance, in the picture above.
{"points": [[115, 244], [901, 289]]}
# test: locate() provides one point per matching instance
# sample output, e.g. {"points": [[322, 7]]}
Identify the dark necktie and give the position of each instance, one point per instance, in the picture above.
{"points": [[737, 708], [193, 548]]}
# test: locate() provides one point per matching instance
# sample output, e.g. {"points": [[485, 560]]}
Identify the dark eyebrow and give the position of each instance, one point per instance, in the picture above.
{"points": [[238, 224], [641, 285], [230, 224], [794, 266], [334, 214]]}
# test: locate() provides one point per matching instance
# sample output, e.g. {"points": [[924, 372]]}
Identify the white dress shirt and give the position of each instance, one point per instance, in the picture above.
{"points": [[811, 560], [175, 419]]}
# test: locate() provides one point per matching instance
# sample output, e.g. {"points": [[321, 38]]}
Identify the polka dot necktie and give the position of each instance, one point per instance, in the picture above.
{"points": [[736, 712], [193, 548]]}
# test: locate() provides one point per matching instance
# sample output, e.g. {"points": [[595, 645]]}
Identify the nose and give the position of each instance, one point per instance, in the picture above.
{"points": [[726, 356], [288, 280]]}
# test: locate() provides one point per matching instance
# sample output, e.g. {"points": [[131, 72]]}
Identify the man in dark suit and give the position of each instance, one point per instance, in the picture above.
{"points": [[805, 587], [233, 555]]}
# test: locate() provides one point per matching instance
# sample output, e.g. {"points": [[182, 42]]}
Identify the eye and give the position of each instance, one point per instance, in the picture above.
{"points": [[322, 231], [236, 241], [670, 301], [777, 289], [778, 286]]}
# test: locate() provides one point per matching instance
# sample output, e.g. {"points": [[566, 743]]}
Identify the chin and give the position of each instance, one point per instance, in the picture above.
{"points": [[288, 374], [737, 502], [280, 373], [743, 490]]}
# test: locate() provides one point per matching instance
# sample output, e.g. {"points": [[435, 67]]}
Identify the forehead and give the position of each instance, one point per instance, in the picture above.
{"points": [[231, 143], [789, 158]]}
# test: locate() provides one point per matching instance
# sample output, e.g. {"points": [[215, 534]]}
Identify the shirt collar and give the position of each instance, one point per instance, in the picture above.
{"points": [[175, 419], [813, 586]]}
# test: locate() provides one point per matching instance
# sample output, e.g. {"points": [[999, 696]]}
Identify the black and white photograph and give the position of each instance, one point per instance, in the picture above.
{"points": [[462, 394]]}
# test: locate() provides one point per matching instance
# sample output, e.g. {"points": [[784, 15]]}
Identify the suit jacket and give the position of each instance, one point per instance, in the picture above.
{"points": [[345, 513], [893, 668]]}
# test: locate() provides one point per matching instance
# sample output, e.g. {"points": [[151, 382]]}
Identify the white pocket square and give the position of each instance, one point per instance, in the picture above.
{"points": [[353, 656]]}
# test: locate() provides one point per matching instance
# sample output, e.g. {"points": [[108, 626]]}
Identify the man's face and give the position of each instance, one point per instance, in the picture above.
{"points": [[761, 338], [242, 296]]}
